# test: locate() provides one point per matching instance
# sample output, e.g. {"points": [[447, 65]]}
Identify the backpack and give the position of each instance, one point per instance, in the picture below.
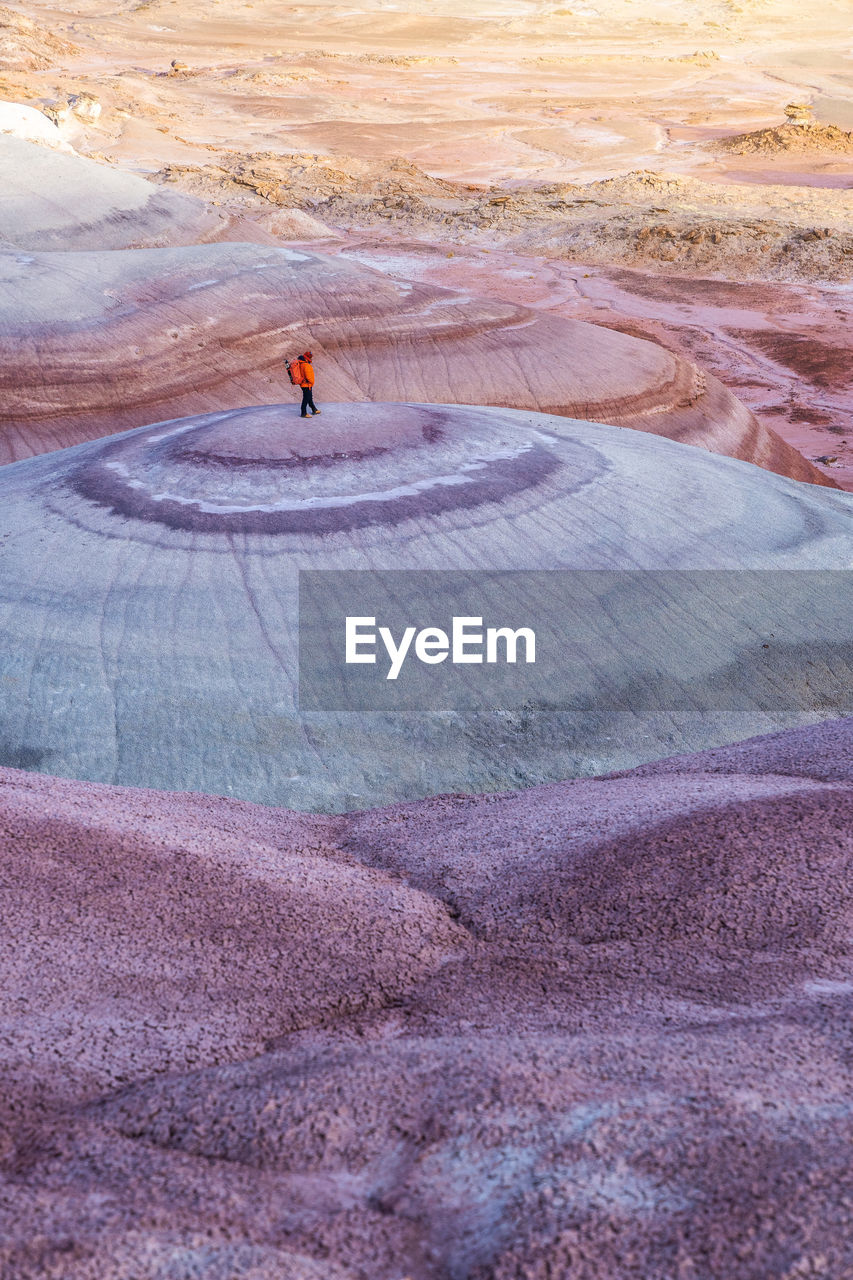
{"points": [[294, 370]]}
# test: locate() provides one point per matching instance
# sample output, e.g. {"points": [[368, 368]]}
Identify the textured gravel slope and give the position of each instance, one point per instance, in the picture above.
{"points": [[600, 1027]]}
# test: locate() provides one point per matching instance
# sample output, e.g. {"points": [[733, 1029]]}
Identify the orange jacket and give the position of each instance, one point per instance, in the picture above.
{"points": [[307, 374]]}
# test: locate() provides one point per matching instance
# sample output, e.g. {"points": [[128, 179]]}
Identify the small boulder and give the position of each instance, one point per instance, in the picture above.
{"points": [[85, 106], [798, 113]]}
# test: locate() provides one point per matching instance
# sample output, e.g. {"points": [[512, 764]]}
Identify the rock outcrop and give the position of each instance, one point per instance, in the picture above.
{"points": [[801, 135], [28, 46], [670, 224], [149, 605]]}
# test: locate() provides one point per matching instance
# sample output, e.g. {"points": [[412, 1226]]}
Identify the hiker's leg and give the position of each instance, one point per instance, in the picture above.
{"points": [[306, 400], [311, 405]]}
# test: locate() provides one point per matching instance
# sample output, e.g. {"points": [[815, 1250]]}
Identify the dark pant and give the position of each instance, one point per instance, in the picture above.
{"points": [[308, 401]]}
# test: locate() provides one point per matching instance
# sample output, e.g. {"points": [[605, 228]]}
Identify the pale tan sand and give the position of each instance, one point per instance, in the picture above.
{"points": [[508, 89]]}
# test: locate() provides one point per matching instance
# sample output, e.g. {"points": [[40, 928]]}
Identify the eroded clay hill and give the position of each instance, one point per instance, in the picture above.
{"points": [[94, 343], [597, 1028], [150, 603], [59, 200]]}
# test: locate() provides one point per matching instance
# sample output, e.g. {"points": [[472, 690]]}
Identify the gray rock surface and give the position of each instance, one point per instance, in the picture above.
{"points": [[148, 614]]}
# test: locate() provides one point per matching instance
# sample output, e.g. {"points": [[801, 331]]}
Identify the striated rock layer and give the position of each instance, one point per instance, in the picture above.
{"points": [[94, 343], [597, 1028], [149, 605]]}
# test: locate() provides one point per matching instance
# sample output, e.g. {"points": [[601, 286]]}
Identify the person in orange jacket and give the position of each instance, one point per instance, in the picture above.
{"points": [[307, 385]]}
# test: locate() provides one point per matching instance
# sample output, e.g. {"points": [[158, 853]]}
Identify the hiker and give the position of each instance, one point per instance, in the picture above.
{"points": [[302, 375]]}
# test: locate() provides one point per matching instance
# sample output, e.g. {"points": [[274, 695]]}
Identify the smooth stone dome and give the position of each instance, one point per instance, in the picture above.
{"points": [[149, 609], [60, 200], [261, 471]]}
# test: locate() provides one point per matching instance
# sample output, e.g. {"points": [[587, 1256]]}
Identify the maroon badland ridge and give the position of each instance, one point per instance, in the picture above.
{"points": [[600, 1028]]}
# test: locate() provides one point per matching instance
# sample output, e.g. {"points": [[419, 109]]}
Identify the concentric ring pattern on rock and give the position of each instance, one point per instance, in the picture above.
{"points": [[94, 343], [254, 471], [149, 609]]}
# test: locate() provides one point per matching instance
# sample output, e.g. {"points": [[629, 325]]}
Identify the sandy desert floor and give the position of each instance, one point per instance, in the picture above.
{"points": [[629, 163]]}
